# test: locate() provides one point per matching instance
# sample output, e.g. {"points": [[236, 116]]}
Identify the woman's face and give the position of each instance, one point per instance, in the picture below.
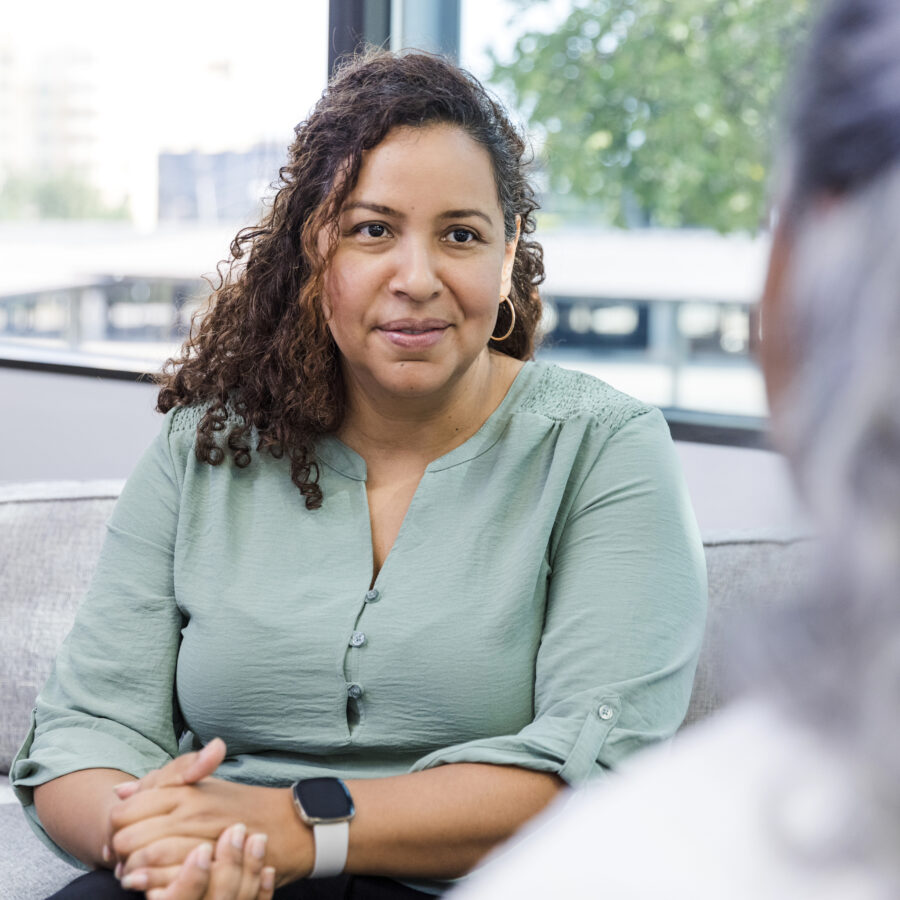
{"points": [[775, 353], [413, 289]]}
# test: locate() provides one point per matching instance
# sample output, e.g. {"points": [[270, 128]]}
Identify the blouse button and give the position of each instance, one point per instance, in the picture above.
{"points": [[605, 712], [354, 691], [372, 596], [357, 639]]}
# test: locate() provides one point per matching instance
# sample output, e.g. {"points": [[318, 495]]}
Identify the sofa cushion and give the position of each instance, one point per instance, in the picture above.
{"points": [[50, 537]]}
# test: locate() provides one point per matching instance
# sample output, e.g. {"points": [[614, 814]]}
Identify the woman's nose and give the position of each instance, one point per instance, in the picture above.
{"points": [[415, 271]]}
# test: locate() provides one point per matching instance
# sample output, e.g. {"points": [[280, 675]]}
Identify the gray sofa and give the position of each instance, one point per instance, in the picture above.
{"points": [[50, 536]]}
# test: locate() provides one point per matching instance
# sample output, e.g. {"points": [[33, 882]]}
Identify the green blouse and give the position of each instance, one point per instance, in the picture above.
{"points": [[542, 606]]}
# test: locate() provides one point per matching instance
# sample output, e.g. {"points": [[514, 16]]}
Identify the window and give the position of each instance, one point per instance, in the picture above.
{"points": [[131, 151], [652, 124], [134, 142]]}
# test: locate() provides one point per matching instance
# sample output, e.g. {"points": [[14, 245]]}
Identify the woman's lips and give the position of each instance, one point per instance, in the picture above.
{"points": [[410, 334]]}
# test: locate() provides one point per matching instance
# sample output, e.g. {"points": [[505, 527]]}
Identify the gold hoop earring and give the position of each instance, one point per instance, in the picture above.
{"points": [[512, 324]]}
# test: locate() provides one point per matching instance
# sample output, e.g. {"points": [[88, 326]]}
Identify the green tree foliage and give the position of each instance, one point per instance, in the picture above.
{"points": [[660, 112], [65, 195]]}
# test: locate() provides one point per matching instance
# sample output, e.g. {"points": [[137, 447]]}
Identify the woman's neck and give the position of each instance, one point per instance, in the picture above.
{"points": [[427, 426]]}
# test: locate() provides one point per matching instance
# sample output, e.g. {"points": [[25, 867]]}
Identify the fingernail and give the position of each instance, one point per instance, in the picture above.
{"points": [[204, 856], [136, 881], [126, 789], [257, 845], [238, 833], [119, 868], [267, 878], [105, 853]]}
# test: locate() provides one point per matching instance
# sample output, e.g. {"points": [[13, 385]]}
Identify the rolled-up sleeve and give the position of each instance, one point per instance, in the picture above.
{"points": [[624, 620], [109, 701]]}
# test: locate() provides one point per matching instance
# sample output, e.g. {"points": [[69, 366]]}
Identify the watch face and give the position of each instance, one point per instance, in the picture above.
{"points": [[324, 798]]}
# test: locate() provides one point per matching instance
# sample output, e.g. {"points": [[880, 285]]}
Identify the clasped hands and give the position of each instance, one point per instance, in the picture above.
{"points": [[179, 834]]}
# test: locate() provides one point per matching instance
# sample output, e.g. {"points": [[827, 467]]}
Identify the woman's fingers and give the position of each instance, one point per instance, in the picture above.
{"points": [[164, 864], [202, 764], [266, 884], [238, 866], [201, 811], [235, 873], [164, 853], [128, 788], [254, 856], [154, 829], [143, 806], [227, 871], [147, 879], [131, 814], [186, 769], [192, 880]]}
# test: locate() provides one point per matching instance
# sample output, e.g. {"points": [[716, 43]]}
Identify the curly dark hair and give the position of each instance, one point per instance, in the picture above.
{"points": [[262, 350]]}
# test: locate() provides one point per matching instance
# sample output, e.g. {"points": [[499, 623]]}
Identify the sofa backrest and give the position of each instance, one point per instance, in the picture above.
{"points": [[750, 573], [50, 538]]}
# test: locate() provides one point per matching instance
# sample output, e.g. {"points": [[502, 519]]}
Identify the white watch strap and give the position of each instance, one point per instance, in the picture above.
{"points": [[331, 842]]}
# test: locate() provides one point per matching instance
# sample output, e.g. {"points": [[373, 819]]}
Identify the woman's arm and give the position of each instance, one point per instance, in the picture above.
{"points": [[441, 822], [435, 824], [75, 811]]}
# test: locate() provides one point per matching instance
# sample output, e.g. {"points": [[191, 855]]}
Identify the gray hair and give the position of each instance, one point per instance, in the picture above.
{"points": [[839, 422], [845, 108]]}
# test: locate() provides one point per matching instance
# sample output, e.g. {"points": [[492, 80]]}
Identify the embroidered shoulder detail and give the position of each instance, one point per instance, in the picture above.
{"points": [[187, 418], [562, 394]]}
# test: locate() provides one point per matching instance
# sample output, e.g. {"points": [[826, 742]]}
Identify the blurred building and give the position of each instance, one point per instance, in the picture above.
{"points": [[83, 119], [217, 187], [49, 113]]}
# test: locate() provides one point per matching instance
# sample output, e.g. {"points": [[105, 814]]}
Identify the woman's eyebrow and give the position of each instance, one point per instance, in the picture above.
{"points": [[465, 213], [383, 210], [374, 207]]}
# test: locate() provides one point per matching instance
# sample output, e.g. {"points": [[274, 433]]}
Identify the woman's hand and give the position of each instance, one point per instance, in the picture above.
{"points": [[236, 872], [155, 829], [186, 769]]}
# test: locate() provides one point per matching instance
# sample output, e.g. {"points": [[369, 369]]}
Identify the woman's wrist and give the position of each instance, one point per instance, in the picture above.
{"points": [[291, 843]]}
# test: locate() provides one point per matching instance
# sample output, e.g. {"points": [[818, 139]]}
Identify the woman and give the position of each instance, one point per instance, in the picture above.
{"points": [[374, 542], [793, 793]]}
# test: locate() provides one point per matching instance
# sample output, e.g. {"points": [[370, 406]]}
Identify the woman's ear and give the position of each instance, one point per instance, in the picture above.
{"points": [[325, 306], [509, 259]]}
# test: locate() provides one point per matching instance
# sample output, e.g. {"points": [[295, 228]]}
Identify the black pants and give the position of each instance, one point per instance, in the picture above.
{"points": [[101, 885]]}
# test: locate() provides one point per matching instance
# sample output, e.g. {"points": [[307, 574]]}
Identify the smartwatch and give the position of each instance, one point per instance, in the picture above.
{"points": [[326, 806]]}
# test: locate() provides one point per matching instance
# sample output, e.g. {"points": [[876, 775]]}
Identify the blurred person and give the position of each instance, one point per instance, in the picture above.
{"points": [[414, 579], [794, 791]]}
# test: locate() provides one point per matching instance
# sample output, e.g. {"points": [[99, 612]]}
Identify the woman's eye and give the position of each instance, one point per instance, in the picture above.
{"points": [[373, 230], [461, 236]]}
